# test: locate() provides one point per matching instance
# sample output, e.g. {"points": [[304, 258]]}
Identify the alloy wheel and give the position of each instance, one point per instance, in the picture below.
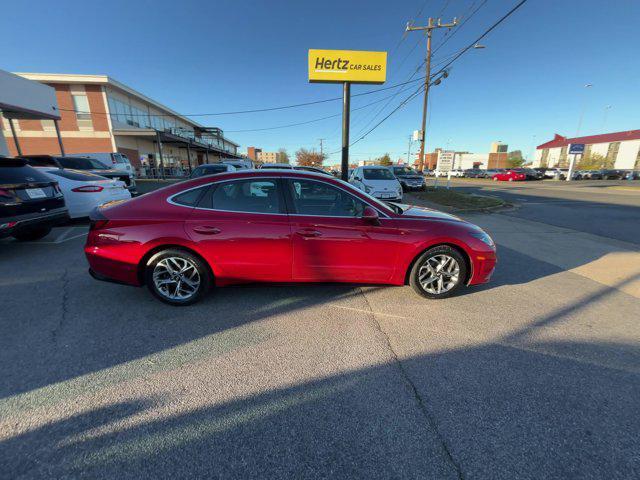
{"points": [[176, 278], [439, 274]]}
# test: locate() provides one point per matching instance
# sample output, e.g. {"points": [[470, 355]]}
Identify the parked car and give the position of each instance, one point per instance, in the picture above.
{"points": [[211, 169], [458, 173], [633, 175], [408, 178], [314, 170], [83, 163], [556, 173], [114, 160], [286, 166], [475, 173], [510, 176], [240, 164], [531, 173], [377, 181], [31, 203], [84, 191], [608, 174], [281, 226]]}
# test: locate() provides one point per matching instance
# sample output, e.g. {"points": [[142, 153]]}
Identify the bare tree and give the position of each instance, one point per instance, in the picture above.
{"points": [[307, 158]]}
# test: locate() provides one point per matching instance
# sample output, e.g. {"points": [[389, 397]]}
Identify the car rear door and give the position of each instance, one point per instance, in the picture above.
{"points": [[331, 242], [242, 227]]}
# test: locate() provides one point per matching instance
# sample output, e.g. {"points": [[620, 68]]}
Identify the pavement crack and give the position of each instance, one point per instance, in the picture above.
{"points": [[420, 402], [63, 314]]}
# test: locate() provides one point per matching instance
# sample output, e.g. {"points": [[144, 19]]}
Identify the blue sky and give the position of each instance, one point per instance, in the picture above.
{"points": [[200, 57]]}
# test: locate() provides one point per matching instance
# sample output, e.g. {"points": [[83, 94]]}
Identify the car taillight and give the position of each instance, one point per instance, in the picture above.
{"points": [[98, 224], [56, 188], [5, 193], [88, 189]]}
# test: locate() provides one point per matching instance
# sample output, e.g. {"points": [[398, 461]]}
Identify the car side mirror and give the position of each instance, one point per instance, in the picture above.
{"points": [[357, 178], [370, 216]]}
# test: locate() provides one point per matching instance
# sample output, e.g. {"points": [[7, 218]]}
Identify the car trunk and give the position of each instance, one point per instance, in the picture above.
{"points": [[24, 190]]}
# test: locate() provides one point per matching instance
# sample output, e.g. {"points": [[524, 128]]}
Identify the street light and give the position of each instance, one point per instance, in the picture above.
{"points": [[604, 117]]}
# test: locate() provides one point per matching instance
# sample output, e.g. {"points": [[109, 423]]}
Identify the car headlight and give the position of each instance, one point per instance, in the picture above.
{"points": [[367, 189], [484, 237]]}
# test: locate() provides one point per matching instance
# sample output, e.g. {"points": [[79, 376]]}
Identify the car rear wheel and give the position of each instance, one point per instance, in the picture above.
{"points": [[177, 277], [30, 234], [438, 273]]}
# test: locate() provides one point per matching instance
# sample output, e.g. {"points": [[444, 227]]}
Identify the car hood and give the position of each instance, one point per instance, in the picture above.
{"points": [[414, 211]]}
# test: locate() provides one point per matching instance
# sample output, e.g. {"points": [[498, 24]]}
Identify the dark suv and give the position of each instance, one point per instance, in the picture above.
{"points": [[408, 178], [83, 163], [31, 203]]}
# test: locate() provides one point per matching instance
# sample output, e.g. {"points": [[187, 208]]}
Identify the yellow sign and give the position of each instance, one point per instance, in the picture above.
{"points": [[337, 66]]}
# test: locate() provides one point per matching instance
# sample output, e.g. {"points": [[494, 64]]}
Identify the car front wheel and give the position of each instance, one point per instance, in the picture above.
{"points": [[177, 277], [438, 273]]}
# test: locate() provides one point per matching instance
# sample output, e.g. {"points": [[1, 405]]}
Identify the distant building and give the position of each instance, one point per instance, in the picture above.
{"points": [[442, 161], [619, 150], [499, 147], [271, 157], [253, 152], [100, 114]]}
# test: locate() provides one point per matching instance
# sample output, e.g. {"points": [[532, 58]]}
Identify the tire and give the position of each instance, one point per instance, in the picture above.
{"points": [[31, 234], [432, 260], [178, 289]]}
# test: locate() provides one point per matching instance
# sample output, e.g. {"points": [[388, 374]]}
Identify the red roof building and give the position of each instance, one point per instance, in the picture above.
{"points": [[620, 150]]}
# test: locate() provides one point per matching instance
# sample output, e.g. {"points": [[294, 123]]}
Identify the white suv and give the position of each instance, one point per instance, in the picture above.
{"points": [[377, 181]]}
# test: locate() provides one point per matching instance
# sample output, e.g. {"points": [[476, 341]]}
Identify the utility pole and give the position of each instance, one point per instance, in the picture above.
{"points": [[409, 150], [427, 79], [321, 151]]}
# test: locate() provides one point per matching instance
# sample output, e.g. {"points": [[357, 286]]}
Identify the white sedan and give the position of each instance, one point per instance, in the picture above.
{"points": [[83, 191]]}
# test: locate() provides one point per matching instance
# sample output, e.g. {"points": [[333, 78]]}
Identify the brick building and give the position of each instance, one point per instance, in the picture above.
{"points": [[100, 114]]}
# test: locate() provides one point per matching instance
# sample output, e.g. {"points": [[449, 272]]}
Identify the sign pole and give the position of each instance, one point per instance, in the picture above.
{"points": [[346, 109]]}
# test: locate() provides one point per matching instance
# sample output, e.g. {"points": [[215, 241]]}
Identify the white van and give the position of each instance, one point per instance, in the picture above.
{"points": [[113, 160], [377, 181]]}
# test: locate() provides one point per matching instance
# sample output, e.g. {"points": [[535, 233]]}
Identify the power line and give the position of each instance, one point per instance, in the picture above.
{"points": [[466, 19], [308, 121], [238, 112]]}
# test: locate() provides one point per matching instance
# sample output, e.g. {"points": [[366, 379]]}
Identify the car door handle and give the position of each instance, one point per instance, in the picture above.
{"points": [[309, 233], [206, 230]]}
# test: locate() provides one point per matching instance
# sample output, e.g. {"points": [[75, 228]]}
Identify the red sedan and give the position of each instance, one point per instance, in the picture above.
{"points": [[510, 176], [280, 226]]}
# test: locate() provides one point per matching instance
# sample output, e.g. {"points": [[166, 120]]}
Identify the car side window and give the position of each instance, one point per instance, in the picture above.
{"points": [[190, 197], [321, 199], [250, 196]]}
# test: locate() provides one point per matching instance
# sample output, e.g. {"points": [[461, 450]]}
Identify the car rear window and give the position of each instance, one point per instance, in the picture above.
{"points": [[81, 163], [14, 172]]}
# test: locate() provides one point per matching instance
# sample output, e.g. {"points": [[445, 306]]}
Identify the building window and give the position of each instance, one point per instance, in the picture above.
{"points": [[612, 153], [81, 106]]}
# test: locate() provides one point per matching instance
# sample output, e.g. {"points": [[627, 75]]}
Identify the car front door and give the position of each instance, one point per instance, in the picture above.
{"points": [[243, 229], [331, 242]]}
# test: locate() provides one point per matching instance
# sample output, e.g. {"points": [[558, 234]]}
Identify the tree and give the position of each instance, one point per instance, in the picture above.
{"points": [[514, 159], [284, 156], [384, 160], [594, 161], [307, 158]]}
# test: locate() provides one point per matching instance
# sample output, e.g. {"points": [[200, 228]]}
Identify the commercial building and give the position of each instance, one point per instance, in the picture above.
{"points": [[620, 150], [100, 114], [271, 157], [445, 160]]}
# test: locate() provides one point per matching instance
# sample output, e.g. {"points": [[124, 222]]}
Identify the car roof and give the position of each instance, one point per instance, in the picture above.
{"points": [[376, 167]]}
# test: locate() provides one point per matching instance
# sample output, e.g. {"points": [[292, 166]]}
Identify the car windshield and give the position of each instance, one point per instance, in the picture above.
{"points": [[377, 174], [404, 171], [81, 163]]}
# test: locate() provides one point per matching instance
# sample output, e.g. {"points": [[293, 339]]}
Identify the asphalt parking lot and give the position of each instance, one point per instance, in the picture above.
{"points": [[535, 375]]}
